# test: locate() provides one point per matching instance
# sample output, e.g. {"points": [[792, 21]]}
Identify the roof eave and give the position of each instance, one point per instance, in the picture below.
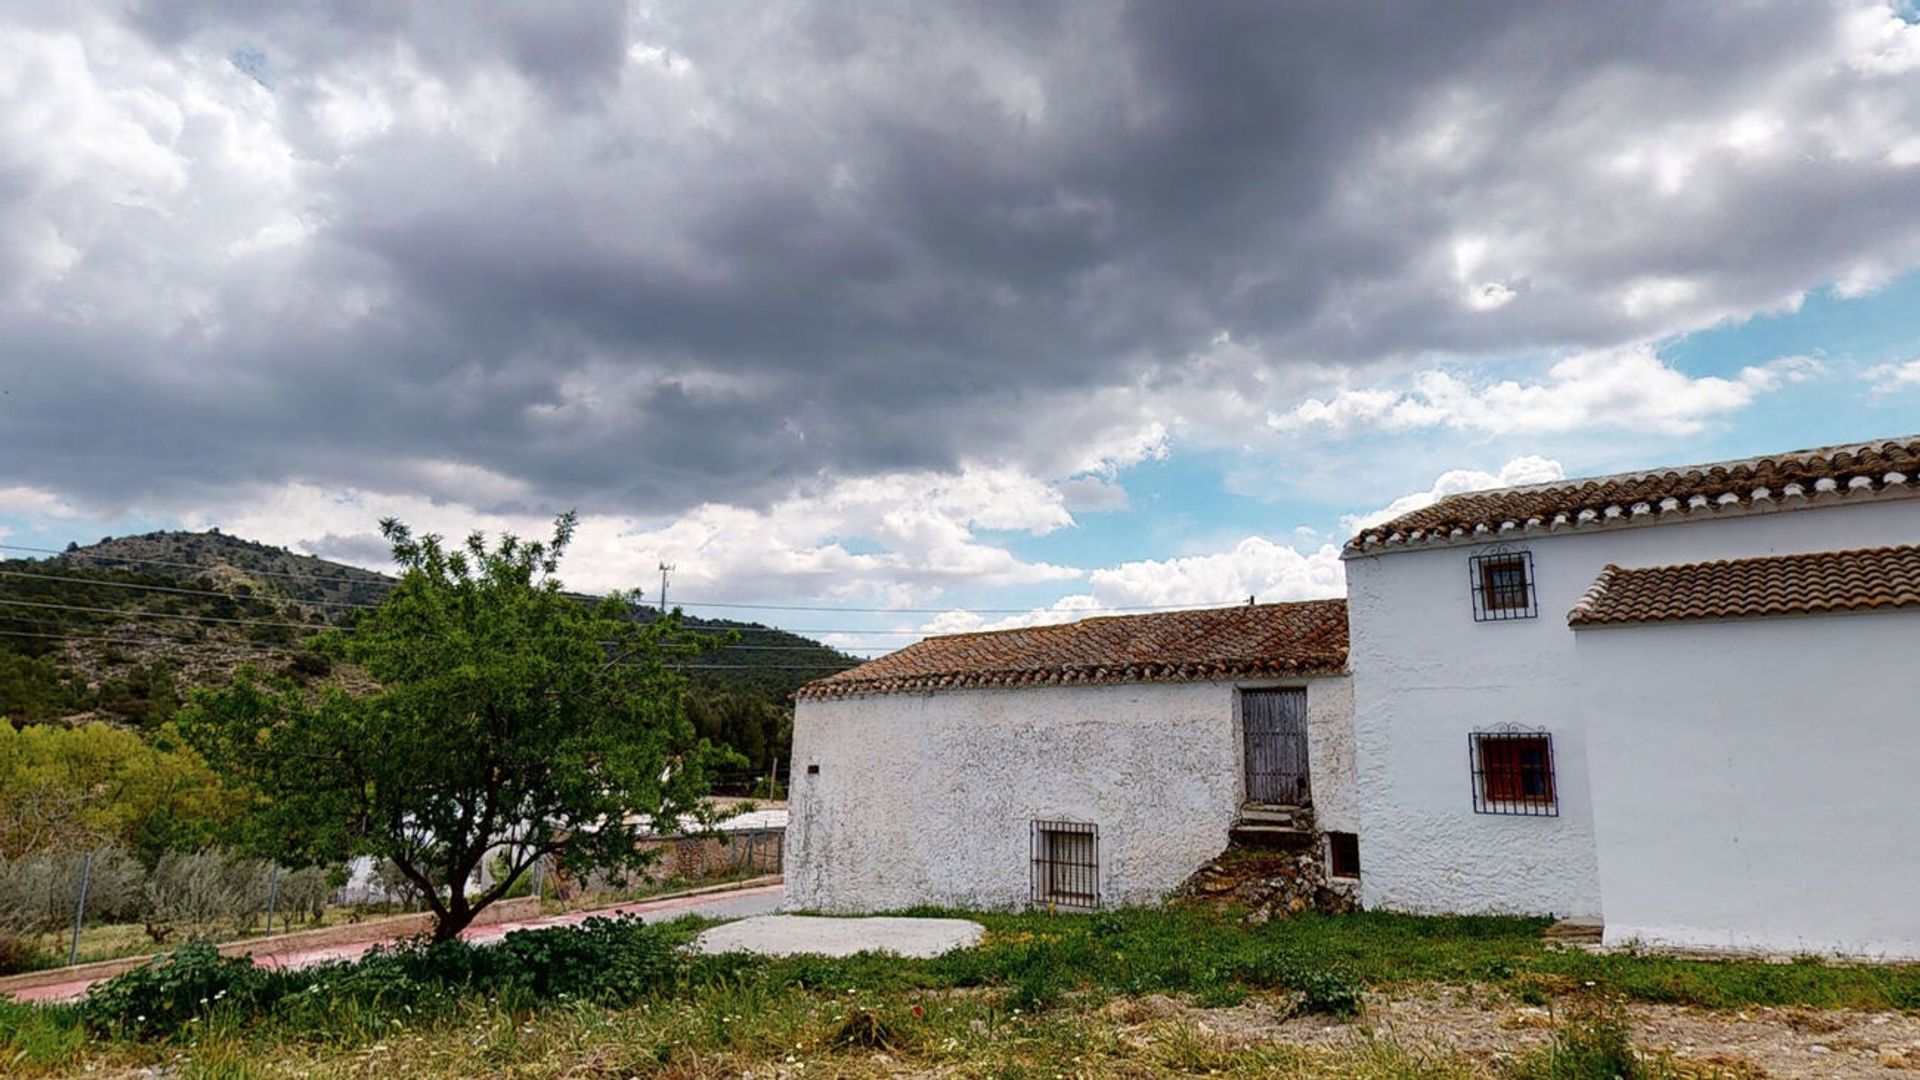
{"points": [[1640, 515]]}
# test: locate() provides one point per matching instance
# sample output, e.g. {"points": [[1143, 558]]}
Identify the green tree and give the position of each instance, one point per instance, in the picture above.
{"points": [[69, 788], [511, 719]]}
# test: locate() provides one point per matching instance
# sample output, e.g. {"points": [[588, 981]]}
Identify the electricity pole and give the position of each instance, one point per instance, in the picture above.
{"points": [[665, 569]]}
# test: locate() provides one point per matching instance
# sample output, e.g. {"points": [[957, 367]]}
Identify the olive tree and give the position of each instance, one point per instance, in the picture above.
{"points": [[510, 715]]}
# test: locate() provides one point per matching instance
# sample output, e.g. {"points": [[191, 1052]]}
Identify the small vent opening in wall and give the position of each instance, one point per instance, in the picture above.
{"points": [[1066, 864], [1343, 854]]}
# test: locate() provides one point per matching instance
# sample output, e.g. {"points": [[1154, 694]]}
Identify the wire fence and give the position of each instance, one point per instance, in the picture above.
{"points": [[104, 903]]}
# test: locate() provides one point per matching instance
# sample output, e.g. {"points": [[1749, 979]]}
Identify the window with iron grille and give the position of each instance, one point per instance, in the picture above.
{"points": [[1066, 864], [1343, 854], [1513, 773], [1503, 586]]}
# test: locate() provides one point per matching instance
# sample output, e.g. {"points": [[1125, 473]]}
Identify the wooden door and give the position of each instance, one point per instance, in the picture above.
{"points": [[1275, 727]]}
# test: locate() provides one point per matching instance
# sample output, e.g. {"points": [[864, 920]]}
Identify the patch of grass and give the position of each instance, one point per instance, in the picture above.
{"points": [[1036, 977]]}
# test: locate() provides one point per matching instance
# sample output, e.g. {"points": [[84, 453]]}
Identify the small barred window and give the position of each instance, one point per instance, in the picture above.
{"points": [[1513, 773], [1066, 864], [1503, 587]]}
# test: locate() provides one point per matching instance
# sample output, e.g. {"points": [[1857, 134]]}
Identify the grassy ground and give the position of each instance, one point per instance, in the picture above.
{"points": [[1043, 997]]}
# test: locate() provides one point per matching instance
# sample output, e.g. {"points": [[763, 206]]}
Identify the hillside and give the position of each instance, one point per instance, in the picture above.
{"points": [[122, 629]]}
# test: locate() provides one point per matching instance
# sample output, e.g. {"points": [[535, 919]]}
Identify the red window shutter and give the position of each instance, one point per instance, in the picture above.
{"points": [[1500, 768]]}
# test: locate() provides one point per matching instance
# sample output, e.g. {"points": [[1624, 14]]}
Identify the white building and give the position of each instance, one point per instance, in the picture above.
{"points": [[1554, 708], [1673, 779], [1082, 765]]}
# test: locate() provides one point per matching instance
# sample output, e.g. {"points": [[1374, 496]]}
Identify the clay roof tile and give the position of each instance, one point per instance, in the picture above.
{"points": [[1865, 579], [1879, 467], [1254, 640]]}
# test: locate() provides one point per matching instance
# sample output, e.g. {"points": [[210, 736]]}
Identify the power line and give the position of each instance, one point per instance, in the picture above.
{"points": [[729, 604], [125, 613], [157, 614], [263, 647], [181, 590]]}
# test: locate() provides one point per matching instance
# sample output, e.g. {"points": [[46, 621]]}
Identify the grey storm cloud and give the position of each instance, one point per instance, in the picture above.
{"points": [[638, 257]]}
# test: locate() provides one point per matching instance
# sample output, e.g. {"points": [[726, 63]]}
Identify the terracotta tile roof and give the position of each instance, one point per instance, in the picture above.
{"points": [[1796, 478], [1868, 579], [1306, 638]]}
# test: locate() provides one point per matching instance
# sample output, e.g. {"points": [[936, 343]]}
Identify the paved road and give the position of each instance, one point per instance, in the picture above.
{"points": [[738, 904]]}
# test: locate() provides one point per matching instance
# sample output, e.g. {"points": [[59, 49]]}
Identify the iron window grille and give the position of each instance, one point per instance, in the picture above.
{"points": [[1343, 854], [1066, 864], [1502, 586], [1513, 772]]}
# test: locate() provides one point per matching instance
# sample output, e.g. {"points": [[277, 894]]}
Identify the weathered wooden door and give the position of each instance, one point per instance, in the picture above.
{"points": [[1275, 723]]}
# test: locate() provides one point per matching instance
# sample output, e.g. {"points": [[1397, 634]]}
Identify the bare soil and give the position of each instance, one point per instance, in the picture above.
{"points": [[1489, 1028]]}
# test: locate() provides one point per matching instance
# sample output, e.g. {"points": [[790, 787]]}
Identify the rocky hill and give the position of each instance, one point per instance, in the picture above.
{"points": [[122, 629]]}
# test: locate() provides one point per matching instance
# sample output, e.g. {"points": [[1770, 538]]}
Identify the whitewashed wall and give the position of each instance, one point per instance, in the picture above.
{"points": [[1755, 782], [929, 798], [1426, 674]]}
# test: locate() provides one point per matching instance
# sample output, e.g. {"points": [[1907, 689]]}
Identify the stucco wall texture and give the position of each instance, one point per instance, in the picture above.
{"points": [[1426, 675], [929, 798], [1754, 782]]}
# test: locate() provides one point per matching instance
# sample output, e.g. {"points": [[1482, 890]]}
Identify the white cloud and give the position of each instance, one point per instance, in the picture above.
{"points": [[32, 502], [1892, 378], [1529, 469], [1629, 389], [890, 540], [1255, 567]]}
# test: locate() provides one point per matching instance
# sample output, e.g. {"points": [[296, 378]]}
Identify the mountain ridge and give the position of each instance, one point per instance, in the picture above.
{"points": [[121, 629]]}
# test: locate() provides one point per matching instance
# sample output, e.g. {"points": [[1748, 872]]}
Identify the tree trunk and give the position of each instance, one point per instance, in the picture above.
{"points": [[457, 917]]}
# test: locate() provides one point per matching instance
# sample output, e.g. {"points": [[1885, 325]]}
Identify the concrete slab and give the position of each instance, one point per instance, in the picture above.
{"points": [[814, 935]]}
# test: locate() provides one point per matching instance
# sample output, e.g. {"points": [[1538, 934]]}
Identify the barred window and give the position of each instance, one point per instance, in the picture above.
{"points": [[1513, 773], [1066, 864], [1503, 586]]}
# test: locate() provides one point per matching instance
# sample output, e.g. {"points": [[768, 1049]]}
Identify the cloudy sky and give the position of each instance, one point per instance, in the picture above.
{"points": [[970, 308]]}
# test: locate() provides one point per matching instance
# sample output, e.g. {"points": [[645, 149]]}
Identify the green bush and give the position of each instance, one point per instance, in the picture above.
{"points": [[162, 997], [611, 961]]}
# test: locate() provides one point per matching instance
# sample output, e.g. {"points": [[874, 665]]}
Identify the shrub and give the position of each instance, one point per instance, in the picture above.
{"points": [[163, 996], [1323, 986], [612, 961], [198, 894], [18, 954], [1334, 993], [39, 893]]}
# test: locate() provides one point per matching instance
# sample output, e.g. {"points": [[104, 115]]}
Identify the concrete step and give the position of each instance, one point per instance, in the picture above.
{"points": [[1576, 932], [1286, 837], [1255, 814]]}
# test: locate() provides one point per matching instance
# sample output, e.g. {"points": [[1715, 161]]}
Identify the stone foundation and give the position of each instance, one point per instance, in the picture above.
{"points": [[1267, 882]]}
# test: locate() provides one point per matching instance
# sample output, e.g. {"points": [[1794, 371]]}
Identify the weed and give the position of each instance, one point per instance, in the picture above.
{"points": [[1588, 1046], [868, 1029]]}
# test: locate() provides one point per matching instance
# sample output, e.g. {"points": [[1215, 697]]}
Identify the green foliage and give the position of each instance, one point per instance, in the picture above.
{"points": [[608, 961], [1588, 1046], [165, 995], [67, 789], [748, 721], [509, 713]]}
